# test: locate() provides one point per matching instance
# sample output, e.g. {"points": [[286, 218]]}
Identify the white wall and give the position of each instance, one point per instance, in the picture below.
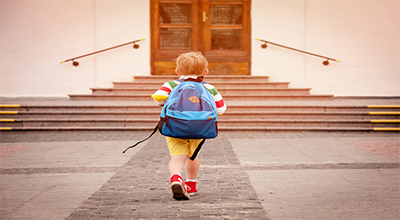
{"points": [[119, 22], [37, 35], [363, 34], [281, 22]]}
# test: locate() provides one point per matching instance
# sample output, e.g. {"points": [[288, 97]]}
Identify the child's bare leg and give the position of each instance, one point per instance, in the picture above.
{"points": [[178, 186], [192, 168], [176, 164]]}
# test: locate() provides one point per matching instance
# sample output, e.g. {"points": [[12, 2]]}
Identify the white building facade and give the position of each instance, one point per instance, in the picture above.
{"points": [[36, 35]]}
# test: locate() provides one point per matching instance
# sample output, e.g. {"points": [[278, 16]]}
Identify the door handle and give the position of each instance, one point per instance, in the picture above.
{"points": [[204, 16]]}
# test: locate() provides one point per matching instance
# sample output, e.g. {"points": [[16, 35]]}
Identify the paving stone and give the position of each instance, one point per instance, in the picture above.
{"points": [[140, 188]]}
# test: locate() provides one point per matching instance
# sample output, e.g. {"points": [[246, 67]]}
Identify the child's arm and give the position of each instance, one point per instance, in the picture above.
{"points": [[221, 107], [159, 98], [219, 101], [162, 94]]}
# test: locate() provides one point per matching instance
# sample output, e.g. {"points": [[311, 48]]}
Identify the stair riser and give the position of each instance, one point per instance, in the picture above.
{"points": [[308, 124], [311, 116], [226, 97], [151, 108], [221, 129], [70, 124], [223, 92], [150, 123], [156, 115], [155, 86], [83, 116], [231, 109], [208, 79], [322, 109]]}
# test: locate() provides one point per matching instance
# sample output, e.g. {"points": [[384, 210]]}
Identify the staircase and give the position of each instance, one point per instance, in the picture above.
{"points": [[230, 87], [254, 104]]}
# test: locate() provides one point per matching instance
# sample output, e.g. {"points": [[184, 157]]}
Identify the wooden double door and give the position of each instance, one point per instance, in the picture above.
{"points": [[219, 29]]}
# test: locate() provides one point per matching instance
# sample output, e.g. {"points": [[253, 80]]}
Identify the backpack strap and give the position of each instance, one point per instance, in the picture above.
{"points": [[197, 150], [154, 131]]}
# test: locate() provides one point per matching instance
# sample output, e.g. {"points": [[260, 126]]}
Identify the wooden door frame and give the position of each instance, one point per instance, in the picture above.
{"points": [[199, 36]]}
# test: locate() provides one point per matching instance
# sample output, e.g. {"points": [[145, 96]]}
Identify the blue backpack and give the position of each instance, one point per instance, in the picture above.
{"points": [[188, 113]]}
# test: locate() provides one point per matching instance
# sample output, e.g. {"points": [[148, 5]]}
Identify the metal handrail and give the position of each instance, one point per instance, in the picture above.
{"points": [[75, 63], [326, 62]]}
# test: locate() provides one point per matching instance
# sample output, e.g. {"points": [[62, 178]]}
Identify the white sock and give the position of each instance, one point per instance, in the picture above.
{"points": [[176, 174], [189, 180]]}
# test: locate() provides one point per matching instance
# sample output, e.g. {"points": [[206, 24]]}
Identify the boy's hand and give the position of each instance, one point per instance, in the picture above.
{"points": [[159, 98]]}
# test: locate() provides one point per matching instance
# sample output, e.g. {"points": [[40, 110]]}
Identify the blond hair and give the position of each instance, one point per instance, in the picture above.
{"points": [[191, 64]]}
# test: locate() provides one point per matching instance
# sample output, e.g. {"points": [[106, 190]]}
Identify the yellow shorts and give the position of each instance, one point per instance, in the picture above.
{"points": [[179, 146]]}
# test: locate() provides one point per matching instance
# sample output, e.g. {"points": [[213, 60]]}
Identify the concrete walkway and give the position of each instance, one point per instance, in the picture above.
{"points": [[243, 175]]}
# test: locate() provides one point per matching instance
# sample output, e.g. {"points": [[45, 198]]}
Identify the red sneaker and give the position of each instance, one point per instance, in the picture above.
{"points": [[191, 188], [178, 188]]}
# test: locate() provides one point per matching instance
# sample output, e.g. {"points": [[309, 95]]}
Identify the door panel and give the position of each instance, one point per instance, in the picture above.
{"points": [[219, 29], [228, 68]]}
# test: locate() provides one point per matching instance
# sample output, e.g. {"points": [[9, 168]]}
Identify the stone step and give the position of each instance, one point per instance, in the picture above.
{"points": [[252, 91], [314, 108], [221, 123], [237, 108], [151, 106], [155, 114], [219, 85], [209, 78], [221, 129], [248, 98], [226, 97], [310, 115]]}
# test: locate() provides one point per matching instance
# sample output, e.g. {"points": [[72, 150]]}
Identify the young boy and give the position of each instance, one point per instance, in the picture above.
{"points": [[188, 65]]}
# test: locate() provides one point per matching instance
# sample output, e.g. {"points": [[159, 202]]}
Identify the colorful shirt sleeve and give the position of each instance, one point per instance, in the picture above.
{"points": [[219, 101], [162, 93]]}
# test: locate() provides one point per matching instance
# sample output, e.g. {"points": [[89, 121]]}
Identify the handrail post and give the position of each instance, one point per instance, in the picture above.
{"points": [[326, 62], [75, 63]]}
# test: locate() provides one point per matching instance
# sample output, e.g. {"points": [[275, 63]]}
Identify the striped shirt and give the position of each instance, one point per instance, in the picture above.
{"points": [[162, 94]]}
